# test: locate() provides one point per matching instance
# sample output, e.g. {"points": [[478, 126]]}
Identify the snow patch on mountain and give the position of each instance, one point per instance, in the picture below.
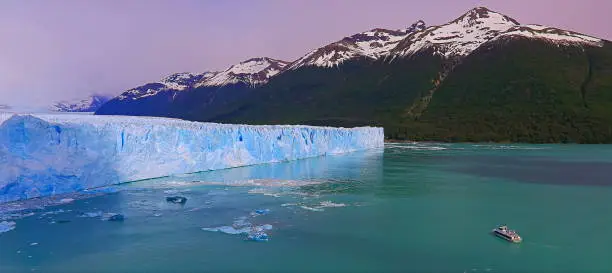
{"points": [[89, 104], [551, 34], [253, 72], [371, 44], [175, 82], [459, 37], [463, 35]]}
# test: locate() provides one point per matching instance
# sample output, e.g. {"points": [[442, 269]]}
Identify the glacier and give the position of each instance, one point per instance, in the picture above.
{"points": [[47, 154]]}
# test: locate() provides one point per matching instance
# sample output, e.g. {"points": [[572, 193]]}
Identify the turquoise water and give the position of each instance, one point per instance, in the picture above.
{"points": [[407, 208]]}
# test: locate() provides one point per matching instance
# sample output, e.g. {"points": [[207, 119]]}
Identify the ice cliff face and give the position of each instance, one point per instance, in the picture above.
{"points": [[42, 155]]}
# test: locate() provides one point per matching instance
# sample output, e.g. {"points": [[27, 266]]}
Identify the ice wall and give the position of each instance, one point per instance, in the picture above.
{"points": [[42, 155]]}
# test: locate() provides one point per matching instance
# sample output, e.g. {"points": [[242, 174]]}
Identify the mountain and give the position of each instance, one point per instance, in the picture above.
{"points": [[481, 77], [200, 96], [180, 94], [371, 44], [252, 72], [89, 104]]}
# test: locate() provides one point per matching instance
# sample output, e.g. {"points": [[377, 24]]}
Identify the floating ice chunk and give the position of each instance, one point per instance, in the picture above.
{"points": [[6, 226], [258, 236], [113, 217], [15, 216], [176, 199], [66, 200], [229, 230], [54, 212], [260, 212], [91, 214], [241, 222], [242, 226], [258, 233], [330, 204], [266, 227], [311, 208]]}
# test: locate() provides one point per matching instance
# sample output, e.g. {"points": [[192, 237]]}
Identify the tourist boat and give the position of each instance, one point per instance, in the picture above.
{"points": [[507, 234]]}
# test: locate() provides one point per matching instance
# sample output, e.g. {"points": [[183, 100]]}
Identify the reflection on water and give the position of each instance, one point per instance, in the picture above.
{"points": [[352, 166]]}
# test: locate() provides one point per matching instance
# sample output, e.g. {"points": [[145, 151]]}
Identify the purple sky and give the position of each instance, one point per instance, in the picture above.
{"points": [[61, 49]]}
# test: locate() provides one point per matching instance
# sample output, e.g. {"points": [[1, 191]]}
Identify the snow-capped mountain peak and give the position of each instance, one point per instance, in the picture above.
{"points": [[88, 104], [252, 72], [371, 44], [460, 36], [175, 82], [477, 26], [416, 26], [182, 81]]}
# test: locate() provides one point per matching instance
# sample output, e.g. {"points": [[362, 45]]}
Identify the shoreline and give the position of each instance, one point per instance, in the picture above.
{"points": [[484, 142]]}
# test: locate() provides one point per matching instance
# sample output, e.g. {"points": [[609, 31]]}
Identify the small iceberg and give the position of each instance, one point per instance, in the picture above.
{"points": [[109, 216], [330, 204], [15, 216], [229, 230], [66, 200], [176, 199], [113, 217], [324, 204], [311, 208], [54, 212], [258, 233], [6, 226], [258, 236], [243, 227], [260, 212], [91, 214]]}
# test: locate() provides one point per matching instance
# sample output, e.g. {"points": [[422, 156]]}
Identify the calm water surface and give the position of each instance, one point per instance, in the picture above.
{"points": [[407, 208]]}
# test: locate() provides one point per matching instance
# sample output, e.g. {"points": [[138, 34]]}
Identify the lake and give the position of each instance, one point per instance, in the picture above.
{"points": [[405, 208]]}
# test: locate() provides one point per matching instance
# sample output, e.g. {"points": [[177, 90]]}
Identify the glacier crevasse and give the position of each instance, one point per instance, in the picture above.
{"points": [[42, 155]]}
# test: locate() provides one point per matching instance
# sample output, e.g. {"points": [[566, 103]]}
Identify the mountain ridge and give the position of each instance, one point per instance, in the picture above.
{"points": [[398, 78], [89, 104]]}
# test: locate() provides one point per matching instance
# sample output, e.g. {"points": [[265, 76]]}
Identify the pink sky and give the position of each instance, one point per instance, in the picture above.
{"points": [[62, 49]]}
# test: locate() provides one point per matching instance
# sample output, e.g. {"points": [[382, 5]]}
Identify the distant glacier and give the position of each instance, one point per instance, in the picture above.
{"points": [[42, 155]]}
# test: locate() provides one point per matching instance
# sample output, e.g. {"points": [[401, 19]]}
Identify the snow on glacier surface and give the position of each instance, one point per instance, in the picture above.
{"points": [[48, 154]]}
